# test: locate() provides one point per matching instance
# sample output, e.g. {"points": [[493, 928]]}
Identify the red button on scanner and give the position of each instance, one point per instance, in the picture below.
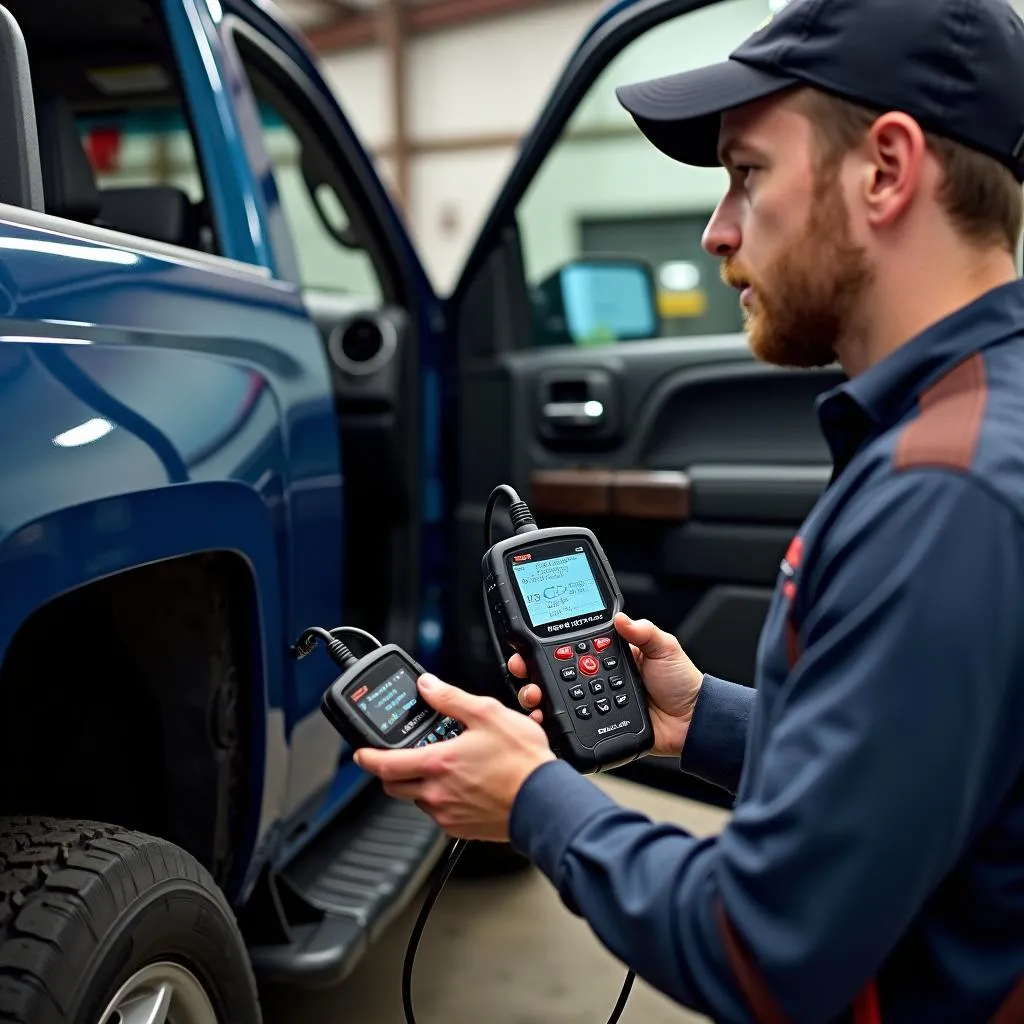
{"points": [[601, 643], [563, 653], [589, 665]]}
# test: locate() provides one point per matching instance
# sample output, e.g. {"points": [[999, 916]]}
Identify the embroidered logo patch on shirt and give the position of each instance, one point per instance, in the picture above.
{"points": [[790, 564]]}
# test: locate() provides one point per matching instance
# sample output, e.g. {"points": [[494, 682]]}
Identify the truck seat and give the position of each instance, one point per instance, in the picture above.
{"points": [[159, 212], [69, 186]]}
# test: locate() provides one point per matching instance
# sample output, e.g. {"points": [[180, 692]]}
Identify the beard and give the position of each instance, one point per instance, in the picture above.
{"points": [[806, 300]]}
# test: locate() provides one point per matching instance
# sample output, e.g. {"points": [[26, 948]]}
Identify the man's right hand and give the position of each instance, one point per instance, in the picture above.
{"points": [[672, 682]]}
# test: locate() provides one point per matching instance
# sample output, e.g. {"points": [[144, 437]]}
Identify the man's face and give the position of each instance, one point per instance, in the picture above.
{"points": [[784, 234]]}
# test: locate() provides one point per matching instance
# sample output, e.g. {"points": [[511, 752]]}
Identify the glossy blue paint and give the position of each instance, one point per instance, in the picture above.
{"points": [[238, 211], [162, 407], [348, 782]]}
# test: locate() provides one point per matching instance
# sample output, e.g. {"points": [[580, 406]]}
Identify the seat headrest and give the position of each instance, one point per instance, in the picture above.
{"points": [[160, 212], [69, 186]]}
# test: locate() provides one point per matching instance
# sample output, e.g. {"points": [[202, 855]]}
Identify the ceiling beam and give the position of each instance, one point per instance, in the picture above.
{"points": [[392, 16], [342, 8], [363, 29]]}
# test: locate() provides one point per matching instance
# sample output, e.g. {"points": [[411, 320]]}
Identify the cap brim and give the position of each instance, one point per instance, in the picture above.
{"points": [[682, 114]]}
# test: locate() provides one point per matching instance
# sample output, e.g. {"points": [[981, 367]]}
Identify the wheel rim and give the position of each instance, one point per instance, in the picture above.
{"points": [[162, 993]]}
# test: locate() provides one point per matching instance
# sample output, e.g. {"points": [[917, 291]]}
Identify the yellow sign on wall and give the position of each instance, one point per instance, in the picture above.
{"points": [[673, 305]]}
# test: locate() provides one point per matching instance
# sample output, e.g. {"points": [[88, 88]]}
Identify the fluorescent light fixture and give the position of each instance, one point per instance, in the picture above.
{"points": [[78, 252], [84, 433], [679, 276]]}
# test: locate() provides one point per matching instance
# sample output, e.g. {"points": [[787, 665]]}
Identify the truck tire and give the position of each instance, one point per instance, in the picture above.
{"points": [[93, 916]]}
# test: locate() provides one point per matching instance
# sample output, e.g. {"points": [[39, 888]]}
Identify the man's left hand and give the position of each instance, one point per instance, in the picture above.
{"points": [[468, 784]]}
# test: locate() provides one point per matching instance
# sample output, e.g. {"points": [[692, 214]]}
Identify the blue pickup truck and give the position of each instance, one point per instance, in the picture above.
{"points": [[233, 405]]}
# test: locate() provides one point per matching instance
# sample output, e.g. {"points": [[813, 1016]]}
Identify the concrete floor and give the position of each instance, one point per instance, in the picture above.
{"points": [[504, 951]]}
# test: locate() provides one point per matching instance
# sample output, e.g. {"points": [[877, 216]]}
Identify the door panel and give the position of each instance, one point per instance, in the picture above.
{"points": [[767, 494], [711, 465], [374, 373]]}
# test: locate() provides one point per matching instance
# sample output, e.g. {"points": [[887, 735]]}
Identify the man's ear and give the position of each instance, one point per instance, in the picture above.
{"points": [[894, 153]]}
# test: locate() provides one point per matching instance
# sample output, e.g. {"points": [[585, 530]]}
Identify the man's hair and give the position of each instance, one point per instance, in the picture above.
{"points": [[981, 197]]}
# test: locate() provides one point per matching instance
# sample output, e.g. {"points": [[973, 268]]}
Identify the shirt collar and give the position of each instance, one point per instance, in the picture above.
{"points": [[883, 393]]}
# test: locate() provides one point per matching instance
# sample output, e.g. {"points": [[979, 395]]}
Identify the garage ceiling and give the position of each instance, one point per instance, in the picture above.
{"points": [[326, 21], [333, 25], [313, 14]]}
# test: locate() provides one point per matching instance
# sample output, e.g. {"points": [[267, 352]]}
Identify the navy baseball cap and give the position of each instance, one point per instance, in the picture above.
{"points": [[955, 66]]}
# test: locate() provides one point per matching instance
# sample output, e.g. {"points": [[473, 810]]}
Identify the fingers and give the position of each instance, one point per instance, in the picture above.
{"points": [[393, 766], [450, 700], [652, 642], [411, 791], [530, 696]]}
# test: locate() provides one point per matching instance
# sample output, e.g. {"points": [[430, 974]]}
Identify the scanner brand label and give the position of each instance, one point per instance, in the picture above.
{"points": [[613, 728], [586, 620], [415, 721]]}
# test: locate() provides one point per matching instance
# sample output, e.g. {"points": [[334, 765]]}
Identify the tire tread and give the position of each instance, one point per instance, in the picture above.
{"points": [[61, 885]]}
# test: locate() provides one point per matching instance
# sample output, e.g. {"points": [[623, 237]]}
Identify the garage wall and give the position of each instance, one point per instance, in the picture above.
{"points": [[474, 89], [481, 86]]}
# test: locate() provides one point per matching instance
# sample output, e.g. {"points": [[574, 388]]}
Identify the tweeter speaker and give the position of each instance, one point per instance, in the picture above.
{"points": [[362, 346]]}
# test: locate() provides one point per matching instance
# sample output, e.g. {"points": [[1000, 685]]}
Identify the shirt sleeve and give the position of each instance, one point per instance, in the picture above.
{"points": [[893, 736], [717, 737]]}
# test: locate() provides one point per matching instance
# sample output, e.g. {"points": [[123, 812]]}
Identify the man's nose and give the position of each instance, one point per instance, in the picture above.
{"points": [[722, 235]]}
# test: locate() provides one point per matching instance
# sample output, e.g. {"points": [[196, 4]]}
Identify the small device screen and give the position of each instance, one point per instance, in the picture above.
{"points": [[394, 706], [559, 587]]}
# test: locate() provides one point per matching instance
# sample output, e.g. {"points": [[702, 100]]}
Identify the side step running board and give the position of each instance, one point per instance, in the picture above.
{"points": [[344, 890]]}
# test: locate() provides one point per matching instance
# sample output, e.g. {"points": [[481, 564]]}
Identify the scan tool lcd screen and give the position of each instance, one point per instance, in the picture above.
{"points": [[558, 588], [393, 707]]}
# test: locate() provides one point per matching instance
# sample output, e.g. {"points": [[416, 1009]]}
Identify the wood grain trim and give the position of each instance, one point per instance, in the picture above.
{"points": [[628, 494], [642, 494], [581, 492]]}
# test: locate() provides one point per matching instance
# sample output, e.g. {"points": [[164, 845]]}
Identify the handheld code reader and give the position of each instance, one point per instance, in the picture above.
{"points": [[376, 703], [550, 595], [553, 596]]}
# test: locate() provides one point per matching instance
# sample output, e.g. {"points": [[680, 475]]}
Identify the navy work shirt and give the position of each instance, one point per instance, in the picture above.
{"points": [[876, 848]]}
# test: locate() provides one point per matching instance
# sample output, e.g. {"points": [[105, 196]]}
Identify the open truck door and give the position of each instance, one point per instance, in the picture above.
{"points": [[603, 372]]}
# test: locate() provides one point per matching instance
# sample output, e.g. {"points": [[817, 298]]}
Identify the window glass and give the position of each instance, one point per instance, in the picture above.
{"points": [[604, 192], [115, 142], [329, 255], [145, 164]]}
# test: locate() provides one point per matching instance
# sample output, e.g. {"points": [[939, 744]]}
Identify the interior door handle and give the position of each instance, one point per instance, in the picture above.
{"points": [[576, 414], [576, 404]]}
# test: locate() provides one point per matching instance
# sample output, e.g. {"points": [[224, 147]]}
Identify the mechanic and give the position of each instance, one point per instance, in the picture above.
{"points": [[873, 866]]}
